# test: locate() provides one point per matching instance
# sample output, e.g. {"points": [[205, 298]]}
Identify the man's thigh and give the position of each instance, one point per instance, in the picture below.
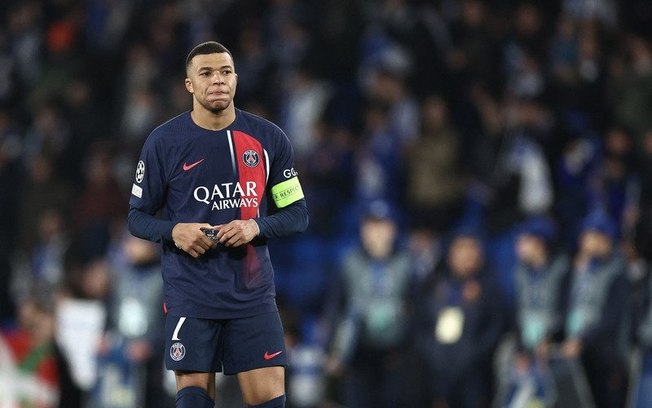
{"points": [[193, 344], [253, 342]]}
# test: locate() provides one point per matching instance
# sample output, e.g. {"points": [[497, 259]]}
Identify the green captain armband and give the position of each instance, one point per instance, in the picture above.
{"points": [[287, 192]]}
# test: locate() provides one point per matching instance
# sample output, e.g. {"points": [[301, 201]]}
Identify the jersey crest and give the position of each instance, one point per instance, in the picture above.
{"points": [[177, 351], [250, 158]]}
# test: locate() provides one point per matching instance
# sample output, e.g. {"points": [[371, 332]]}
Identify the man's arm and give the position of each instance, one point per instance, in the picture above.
{"points": [[287, 221], [188, 237], [146, 226]]}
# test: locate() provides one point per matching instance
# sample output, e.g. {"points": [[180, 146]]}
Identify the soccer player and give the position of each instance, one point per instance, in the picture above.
{"points": [[212, 185]]}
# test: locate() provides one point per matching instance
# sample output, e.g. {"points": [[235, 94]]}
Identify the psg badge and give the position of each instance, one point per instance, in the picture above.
{"points": [[250, 158], [177, 351]]}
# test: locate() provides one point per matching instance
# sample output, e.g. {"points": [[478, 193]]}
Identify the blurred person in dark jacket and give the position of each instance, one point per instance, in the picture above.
{"points": [[459, 320], [595, 323], [434, 177], [134, 340], [541, 277], [373, 305]]}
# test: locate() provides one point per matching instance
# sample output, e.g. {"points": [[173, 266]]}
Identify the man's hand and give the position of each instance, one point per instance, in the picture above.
{"points": [[237, 232], [190, 238]]}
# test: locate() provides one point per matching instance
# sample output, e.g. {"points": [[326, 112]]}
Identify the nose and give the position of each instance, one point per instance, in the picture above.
{"points": [[218, 78]]}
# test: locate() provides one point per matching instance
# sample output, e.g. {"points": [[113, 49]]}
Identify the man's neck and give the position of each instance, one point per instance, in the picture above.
{"points": [[213, 120]]}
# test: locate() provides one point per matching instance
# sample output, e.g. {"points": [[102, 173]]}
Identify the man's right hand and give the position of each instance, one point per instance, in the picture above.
{"points": [[191, 239]]}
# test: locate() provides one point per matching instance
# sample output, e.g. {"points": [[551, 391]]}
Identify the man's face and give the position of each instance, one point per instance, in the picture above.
{"points": [[529, 247], [465, 257], [212, 80], [378, 236], [596, 244]]}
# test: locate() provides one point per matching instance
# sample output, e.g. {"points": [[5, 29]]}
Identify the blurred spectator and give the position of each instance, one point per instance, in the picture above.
{"points": [[133, 344], [25, 36], [524, 51], [435, 181], [600, 175], [425, 246], [459, 320], [631, 85], [388, 85], [603, 10], [541, 277], [327, 170], [84, 108], [81, 315], [511, 178], [165, 34], [43, 190], [541, 281], [140, 114], [32, 369], [578, 76], [107, 24], [596, 323], [42, 268], [378, 171], [474, 56], [101, 200], [419, 29], [255, 68], [527, 36], [288, 29], [509, 163], [367, 352], [573, 171], [613, 182], [50, 136], [303, 105]]}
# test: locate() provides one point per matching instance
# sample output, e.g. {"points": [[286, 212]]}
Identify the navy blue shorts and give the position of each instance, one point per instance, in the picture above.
{"points": [[231, 346]]}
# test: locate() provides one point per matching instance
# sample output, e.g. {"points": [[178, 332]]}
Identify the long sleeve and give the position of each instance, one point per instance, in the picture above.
{"points": [[287, 221], [145, 226]]}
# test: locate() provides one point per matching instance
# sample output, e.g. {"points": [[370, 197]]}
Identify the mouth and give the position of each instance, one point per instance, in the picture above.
{"points": [[218, 95]]}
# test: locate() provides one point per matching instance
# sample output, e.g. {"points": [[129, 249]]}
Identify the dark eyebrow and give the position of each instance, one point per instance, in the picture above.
{"points": [[211, 68]]}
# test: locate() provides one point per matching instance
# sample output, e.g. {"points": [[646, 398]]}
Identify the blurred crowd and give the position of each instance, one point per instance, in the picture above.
{"points": [[478, 172]]}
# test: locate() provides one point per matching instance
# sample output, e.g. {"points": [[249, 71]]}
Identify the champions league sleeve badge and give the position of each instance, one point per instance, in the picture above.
{"points": [[140, 175], [140, 171]]}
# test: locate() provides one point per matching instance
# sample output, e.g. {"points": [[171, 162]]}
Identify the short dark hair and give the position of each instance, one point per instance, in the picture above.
{"points": [[208, 47]]}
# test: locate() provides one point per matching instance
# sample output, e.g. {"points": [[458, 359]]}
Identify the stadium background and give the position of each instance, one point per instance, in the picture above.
{"points": [[354, 84]]}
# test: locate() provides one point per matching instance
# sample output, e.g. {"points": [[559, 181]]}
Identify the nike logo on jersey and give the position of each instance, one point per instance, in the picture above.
{"points": [[269, 356], [187, 166]]}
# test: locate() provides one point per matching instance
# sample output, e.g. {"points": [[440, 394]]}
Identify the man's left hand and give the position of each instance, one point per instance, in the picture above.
{"points": [[237, 232]]}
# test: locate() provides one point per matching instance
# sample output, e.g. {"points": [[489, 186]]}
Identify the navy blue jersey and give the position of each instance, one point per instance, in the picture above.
{"points": [[190, 174]]}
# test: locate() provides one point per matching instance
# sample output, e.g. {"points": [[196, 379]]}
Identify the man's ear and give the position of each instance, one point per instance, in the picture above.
{"points": [[188, 84]]}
